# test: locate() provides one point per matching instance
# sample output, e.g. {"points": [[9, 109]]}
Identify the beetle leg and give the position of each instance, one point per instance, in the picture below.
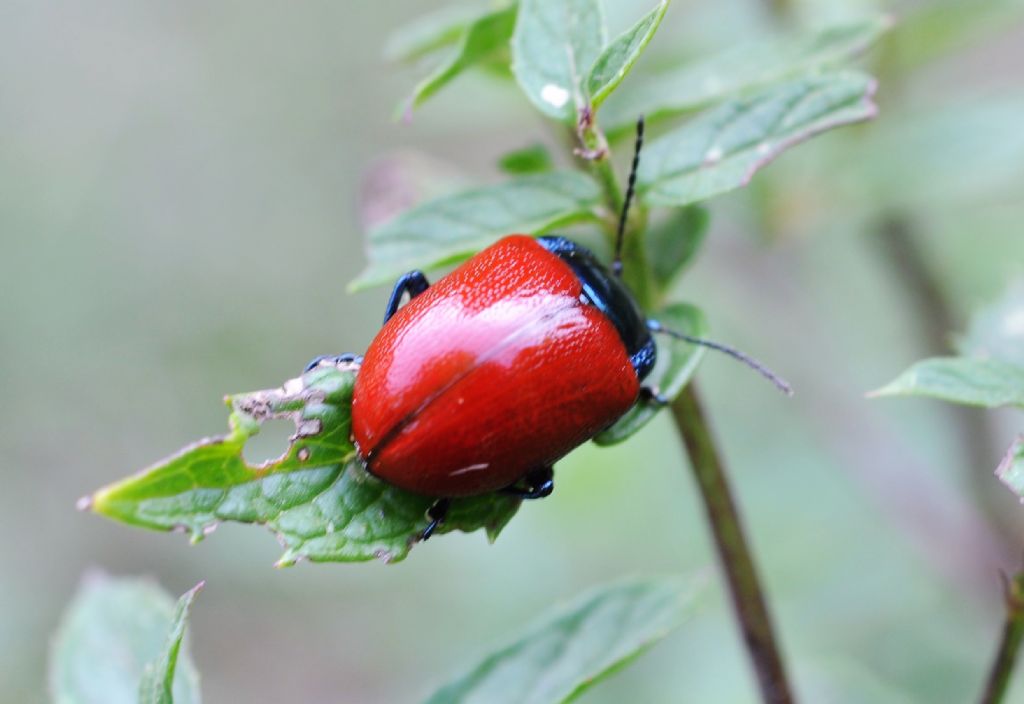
{"points": [[334, 358], [414, 283], [652, 397], [539, 483], [436, 513]]}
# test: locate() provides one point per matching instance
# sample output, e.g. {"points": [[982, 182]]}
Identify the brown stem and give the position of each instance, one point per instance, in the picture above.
{"points": [[733, 553], [1013, 632]]}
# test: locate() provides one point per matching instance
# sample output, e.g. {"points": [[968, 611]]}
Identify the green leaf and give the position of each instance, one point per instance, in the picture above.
{"points": [[672, 243], [618, 57], [447, 230], [677, 362], [157, 682], [108, 633], [571, 648], [480, 40], [722, 149], [316, 497], [431, 32], [975, 382], [1011, 470], [738, 71], [554, 45], [529, 160]]}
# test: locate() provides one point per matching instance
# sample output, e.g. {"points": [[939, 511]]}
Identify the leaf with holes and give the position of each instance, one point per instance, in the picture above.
{"points": [[738, 71], [157, 682], [1011, 470], [573, 647], [316, 497], [111, 629], [677, 362], [974, 382], [723, 149], [480, 40], [447, 230], [553, 47], [618, 57]]}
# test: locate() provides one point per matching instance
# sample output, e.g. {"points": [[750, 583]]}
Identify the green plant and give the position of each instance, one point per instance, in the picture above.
{"points": [[121, 641], [718, 122]]}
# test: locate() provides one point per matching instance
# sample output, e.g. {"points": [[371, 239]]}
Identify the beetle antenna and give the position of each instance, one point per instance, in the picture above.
{"points": [[761, 369], [630, 191]]}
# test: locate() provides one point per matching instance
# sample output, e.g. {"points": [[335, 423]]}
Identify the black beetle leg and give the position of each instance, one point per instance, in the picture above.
{"points": [[436, 513], [539, 483], [414, 283], [333, 358], [650, 396]]}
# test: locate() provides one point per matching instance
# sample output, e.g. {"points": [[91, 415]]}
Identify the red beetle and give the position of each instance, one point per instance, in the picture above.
{"points": [[487, 378]]}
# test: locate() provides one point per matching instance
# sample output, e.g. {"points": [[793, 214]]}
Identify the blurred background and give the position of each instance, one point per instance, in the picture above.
{"points": [[180, 207]]}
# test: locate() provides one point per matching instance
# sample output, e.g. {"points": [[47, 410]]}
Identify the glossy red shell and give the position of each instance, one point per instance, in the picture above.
{"points": [[497, 369]]}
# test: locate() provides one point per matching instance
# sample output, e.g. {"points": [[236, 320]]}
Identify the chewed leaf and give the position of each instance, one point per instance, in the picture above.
{"points": [[723, 149], [554, 45], [481, 39], [1011, 470], [573, 647], [677, 362], [739, 71], [619, 56], [157, 682], [111, 629], [452, 228], [316, 497], [974, 382]]}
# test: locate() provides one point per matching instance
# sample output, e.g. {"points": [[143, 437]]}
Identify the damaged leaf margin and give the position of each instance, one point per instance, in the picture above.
{"points": [[317, 498]]}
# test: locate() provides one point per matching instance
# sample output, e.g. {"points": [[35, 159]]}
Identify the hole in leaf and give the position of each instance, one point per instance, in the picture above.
{"points": [[271, 443]]}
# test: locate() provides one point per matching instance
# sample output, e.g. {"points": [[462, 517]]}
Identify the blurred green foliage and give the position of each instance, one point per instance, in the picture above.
{"points": [[120, 642], [181, 212]]}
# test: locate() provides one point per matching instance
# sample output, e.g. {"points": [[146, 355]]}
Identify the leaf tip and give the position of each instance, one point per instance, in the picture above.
{"points": [[882, 392], [85, 503], [402, 113], [288, 559], [362, 282], [197, 533]]}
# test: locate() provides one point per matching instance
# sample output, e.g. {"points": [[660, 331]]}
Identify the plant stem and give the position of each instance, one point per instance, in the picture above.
{"points": [[1013, 633], [733, 553], [594, 150]]}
